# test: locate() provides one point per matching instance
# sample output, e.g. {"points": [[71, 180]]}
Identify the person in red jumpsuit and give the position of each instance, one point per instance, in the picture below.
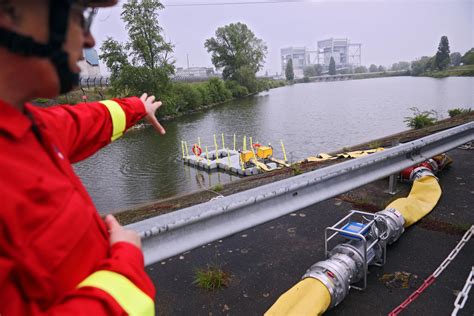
{"points": [[57, 255]]}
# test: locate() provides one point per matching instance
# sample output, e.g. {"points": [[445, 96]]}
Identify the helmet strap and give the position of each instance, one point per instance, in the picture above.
{"points": [[27, 46], [59, 11]]}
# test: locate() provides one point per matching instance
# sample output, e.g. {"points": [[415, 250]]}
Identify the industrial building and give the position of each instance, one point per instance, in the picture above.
{"points": [[343, 51], [202, 72], [90, 63], [345, 54], [300, 57]]}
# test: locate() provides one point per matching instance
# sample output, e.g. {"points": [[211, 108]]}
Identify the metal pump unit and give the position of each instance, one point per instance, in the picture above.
{"points": [[361, 240]]}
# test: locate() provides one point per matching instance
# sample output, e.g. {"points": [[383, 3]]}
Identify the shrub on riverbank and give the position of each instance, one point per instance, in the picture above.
{"points": [[421, 119], [180, 97], [185, 97], [458, 111], [235, 89], [466, 70]]}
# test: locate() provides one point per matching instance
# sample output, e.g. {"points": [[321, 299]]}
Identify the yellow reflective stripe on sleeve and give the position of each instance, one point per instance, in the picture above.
{"points": [[119, 120], [133, 300]]}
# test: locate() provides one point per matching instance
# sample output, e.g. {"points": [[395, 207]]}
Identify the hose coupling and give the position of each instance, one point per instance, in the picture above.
{"points": [[388, 225], [336, 274], [421, 172]]}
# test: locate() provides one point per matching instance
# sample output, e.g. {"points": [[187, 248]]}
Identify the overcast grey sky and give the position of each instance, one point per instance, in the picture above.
{"points": [[389, 30]]}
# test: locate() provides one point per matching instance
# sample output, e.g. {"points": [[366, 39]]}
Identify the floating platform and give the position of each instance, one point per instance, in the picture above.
{"points": [[229, 161]]}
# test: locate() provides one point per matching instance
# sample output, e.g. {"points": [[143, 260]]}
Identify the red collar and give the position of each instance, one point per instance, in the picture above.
{"points": [[13, 121]]}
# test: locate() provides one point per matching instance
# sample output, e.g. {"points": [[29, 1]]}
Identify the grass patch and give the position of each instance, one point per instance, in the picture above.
{"points": [[217, 188], [458, 111], [211, 278], [374, 145], [421, 119], [465, 70], [296, 169]]}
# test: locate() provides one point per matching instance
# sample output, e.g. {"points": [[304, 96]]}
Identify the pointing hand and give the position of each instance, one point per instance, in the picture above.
{"points": [[118, 233], [151, 106]]}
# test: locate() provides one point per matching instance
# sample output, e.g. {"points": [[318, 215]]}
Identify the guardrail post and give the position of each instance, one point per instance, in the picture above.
{"points": [[392, 179]]}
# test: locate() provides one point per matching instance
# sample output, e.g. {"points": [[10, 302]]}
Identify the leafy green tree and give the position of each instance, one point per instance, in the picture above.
{"points": [[421, 65], [235, 46], [289, 73], [245, 76], [345, 71], [360, 70], [188, 96], [134, 80], [217, 90], [236, 89], [468, 58], [144, 62], [455, 58], [146, 46], [442, 55], [332, 66], [381, 68], [402, 65], [373, 68], [313, 70], [114, 56]]}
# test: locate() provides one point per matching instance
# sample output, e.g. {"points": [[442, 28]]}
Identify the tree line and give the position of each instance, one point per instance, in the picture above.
{"points": [[442, 60], [145, 63]]}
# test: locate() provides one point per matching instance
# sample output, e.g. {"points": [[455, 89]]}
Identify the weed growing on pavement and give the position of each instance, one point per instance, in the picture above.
{"points": [[211, 278]]}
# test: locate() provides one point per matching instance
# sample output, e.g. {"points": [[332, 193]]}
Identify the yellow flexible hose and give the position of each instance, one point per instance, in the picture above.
{"points": [[311, 297], [307, 297], [423, 197]]}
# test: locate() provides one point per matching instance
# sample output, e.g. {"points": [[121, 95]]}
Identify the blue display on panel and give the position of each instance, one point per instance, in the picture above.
{"points": [[355, 227]]}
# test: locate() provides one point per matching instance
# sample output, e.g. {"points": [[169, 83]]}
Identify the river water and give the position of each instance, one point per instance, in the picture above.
{"points": [[310, 118]]}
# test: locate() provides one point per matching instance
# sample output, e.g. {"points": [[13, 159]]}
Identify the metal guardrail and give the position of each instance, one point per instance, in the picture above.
{"points": [[170, 234]]}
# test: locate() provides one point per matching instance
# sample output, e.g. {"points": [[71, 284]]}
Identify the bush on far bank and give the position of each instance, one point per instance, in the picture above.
{"points": [[185, 97], [179, 97], [236, 89]]}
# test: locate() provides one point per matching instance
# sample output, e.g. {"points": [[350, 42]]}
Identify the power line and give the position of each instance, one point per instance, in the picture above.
{"points": [[234, 3]]}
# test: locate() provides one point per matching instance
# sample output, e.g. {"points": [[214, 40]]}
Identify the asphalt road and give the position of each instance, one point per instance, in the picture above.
{"points": [[267, 260]]}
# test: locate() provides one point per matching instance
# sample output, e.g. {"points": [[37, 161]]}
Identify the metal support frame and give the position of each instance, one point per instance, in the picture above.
{"points": [[170, 234], [354, 54], [337, 229]]}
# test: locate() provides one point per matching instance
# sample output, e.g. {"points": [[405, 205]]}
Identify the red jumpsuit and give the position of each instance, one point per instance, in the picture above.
{"points": [[55, 256]]}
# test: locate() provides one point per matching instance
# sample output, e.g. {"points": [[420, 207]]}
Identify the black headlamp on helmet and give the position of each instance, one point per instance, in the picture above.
{"points": [[59, 12]]}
